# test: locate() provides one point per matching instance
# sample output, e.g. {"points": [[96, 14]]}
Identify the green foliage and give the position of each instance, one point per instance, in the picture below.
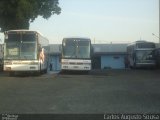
{"points": [[17, 14]]}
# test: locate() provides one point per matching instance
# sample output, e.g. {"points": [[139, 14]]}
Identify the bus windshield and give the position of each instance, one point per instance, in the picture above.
{"points": [[73, 48], [83, 49], [143, 55], [69, 49], [20, 46]]}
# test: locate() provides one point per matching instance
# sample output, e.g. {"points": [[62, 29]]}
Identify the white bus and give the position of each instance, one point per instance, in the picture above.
{"points": [[76, 54], [141, 54], [25, 51]]}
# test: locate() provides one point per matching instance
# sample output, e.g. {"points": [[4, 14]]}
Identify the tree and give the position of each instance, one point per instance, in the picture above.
{"points": [[18, 14]]}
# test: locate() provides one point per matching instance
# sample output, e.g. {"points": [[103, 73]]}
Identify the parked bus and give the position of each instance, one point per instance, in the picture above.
{"points": [[141, 54], [76, 54], [25, 51]]}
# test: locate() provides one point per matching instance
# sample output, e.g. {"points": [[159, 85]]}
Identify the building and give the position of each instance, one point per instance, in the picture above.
{"points": [[109, 56], [105, 56], [54, 57]]}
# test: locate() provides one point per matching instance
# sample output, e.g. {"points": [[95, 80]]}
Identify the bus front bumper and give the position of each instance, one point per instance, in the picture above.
{"points": [[75, 67]]}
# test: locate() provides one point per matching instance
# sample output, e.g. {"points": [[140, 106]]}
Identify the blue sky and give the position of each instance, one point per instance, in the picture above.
{"points": [[104, 21]]}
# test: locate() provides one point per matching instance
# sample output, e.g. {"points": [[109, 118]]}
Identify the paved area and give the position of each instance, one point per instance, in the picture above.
{"points": [[109, 91]]}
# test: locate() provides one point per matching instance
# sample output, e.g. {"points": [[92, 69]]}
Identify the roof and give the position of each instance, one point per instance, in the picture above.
{"points": [[55, 48], [98, 48], [109, 48]]}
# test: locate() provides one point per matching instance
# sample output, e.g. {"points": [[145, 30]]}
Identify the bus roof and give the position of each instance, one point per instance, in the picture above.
{"points": [[25, 30], [139, 41], [76, 38]]}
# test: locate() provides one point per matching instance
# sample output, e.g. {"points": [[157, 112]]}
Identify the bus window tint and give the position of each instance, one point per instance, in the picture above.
{"points": [[69, 49], [28, 37], [12, 49], [28, 46], [12, 46], [28, 51], [20, 46], [13, 38], [83, 49], [144, 55]]}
